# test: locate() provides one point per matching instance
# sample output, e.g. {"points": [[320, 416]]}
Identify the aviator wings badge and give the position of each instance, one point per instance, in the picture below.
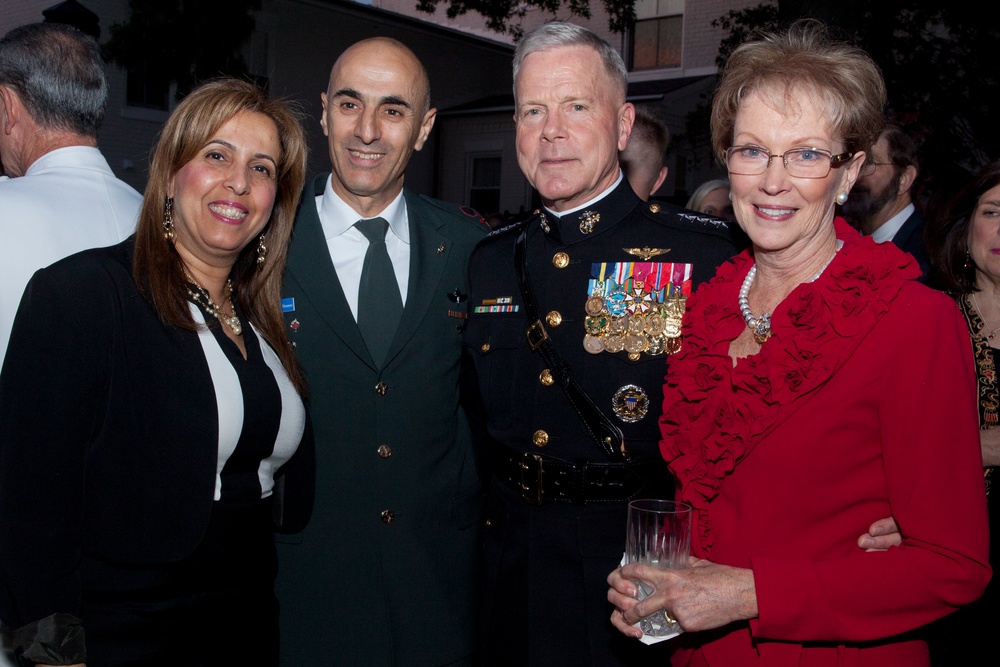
{"points": [[646, 253]]}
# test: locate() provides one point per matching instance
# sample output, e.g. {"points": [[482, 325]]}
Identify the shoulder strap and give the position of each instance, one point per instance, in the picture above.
{"points": [[607, 435]]}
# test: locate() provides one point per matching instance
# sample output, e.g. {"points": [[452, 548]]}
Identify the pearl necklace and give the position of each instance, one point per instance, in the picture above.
{"points": [[761, 326], [993, 330], [202, 298]]}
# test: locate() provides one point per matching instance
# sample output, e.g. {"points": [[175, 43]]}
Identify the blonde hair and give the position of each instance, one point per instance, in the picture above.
{"points": [[804, 59], [157, 268]]}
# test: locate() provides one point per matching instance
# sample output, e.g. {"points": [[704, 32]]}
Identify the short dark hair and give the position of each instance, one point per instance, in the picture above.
{"points": [[651, 131], [903, 150], [947, 234], [58, 73]]}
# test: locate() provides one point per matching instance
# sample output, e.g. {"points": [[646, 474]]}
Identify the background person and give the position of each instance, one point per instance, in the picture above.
{"points": [[809, 318], [712, 198], [148, 403], [881, 203], [964, 243], [63, 196], [643, 155], [598, 259], [386, 572]]}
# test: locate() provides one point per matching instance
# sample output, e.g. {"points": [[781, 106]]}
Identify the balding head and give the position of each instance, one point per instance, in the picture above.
{"points": [[376, 112], [379, 48]]}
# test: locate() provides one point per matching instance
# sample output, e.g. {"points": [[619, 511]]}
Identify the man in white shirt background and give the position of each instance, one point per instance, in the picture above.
{"points": [[62, 196], [881, 202]]}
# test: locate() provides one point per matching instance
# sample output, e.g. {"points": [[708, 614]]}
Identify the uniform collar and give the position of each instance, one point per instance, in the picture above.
{"points": [[597, 215]]}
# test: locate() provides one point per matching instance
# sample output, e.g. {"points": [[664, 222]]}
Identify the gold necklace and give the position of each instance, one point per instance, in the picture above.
{"points": [[982, 316], [202, 298]]}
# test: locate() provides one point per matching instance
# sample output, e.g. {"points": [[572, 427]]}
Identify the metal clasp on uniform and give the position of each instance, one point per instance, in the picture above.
{"points": [[530, 483], [536, 335]]}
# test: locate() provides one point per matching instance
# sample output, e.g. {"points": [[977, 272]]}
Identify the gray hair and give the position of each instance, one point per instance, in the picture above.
{"points": [[58, 73], [698, 196], [559, 33]]}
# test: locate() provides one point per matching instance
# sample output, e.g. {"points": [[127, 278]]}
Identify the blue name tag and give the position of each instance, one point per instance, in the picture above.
{"points": [[288, 305]]}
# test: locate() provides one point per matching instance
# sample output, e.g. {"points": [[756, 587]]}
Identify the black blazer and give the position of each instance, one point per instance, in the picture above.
{"points": [[121, 411], [910, 238]]}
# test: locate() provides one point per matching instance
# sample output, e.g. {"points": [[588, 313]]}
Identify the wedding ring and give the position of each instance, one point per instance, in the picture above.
{"points": [[670, 619]]}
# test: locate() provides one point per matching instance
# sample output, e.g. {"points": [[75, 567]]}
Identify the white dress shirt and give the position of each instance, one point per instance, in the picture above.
{"points": [[892, 225], [68, 200], [348, 245]]}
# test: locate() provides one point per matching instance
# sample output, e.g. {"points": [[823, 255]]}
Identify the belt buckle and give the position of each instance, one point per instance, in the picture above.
{"points": [[536, 335], [530, 483]]}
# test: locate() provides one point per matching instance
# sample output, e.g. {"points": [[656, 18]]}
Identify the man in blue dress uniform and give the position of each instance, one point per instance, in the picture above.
{"points": [[573, 315]]}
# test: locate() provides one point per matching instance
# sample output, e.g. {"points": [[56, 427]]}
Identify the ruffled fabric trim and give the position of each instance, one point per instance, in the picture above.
{"points": [[714, 414]]}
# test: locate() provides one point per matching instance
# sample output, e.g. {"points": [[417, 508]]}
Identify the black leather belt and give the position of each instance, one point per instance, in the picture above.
{"points": [[537, 478]]}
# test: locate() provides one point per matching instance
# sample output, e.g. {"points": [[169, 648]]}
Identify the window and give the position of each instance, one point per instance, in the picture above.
{"points": [[145, 89], [657, 38], [658, 42], [484, 194]]}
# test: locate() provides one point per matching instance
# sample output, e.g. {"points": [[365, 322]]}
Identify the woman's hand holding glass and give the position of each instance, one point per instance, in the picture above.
{"points": [[703, 596]]}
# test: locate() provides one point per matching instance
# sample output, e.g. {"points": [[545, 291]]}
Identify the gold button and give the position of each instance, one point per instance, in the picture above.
{"points": [[560, 260], [554, 318], [381, 388], [487, 523], [654, 208], [484, 348], [540, 438], [545, 377], [384, 451], [388, 516]]}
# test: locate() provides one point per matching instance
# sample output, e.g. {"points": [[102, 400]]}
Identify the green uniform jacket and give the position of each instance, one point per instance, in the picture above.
{"points": [[385, 572]]}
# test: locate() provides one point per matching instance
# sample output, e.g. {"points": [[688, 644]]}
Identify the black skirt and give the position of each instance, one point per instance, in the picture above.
{"points": [[214, 608]]}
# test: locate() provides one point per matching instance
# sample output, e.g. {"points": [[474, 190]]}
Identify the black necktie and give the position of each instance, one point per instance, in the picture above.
{"points": [[379, 303]]}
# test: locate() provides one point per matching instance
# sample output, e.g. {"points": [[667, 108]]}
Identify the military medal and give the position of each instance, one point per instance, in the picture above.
{"points": [[630, 403], [636, 307], [595, 305]]}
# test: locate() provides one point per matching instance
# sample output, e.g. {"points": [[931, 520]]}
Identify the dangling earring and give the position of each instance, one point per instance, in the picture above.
{"points": [[842, 198], [168, 220], [968, 260], [261, 252]]}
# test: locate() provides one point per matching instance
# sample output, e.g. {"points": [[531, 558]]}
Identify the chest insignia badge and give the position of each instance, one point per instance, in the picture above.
{"points": [[630, 403], [646, 253]]}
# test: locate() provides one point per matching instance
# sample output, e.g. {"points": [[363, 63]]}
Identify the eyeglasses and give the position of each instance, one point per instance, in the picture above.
{"points": [[799, 162], [869, 167]]}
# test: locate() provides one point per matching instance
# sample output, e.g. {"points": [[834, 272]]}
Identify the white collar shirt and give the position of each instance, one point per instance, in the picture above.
{"points": [[68, 200], [347, 245], [891, 226]]}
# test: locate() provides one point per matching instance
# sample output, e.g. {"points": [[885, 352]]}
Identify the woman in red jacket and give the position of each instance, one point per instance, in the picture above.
{"points": [[819, 387]]}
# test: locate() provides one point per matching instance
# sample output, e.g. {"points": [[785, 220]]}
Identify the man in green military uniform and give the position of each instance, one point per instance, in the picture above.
{"points": [[573, 316], [385, 572]]}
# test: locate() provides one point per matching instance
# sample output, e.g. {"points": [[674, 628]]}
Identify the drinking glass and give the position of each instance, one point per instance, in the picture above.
{"points": [[658, 535]]}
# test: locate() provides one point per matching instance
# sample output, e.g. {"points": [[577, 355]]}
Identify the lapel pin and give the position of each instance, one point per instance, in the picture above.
{"points": [[441, 248]]}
